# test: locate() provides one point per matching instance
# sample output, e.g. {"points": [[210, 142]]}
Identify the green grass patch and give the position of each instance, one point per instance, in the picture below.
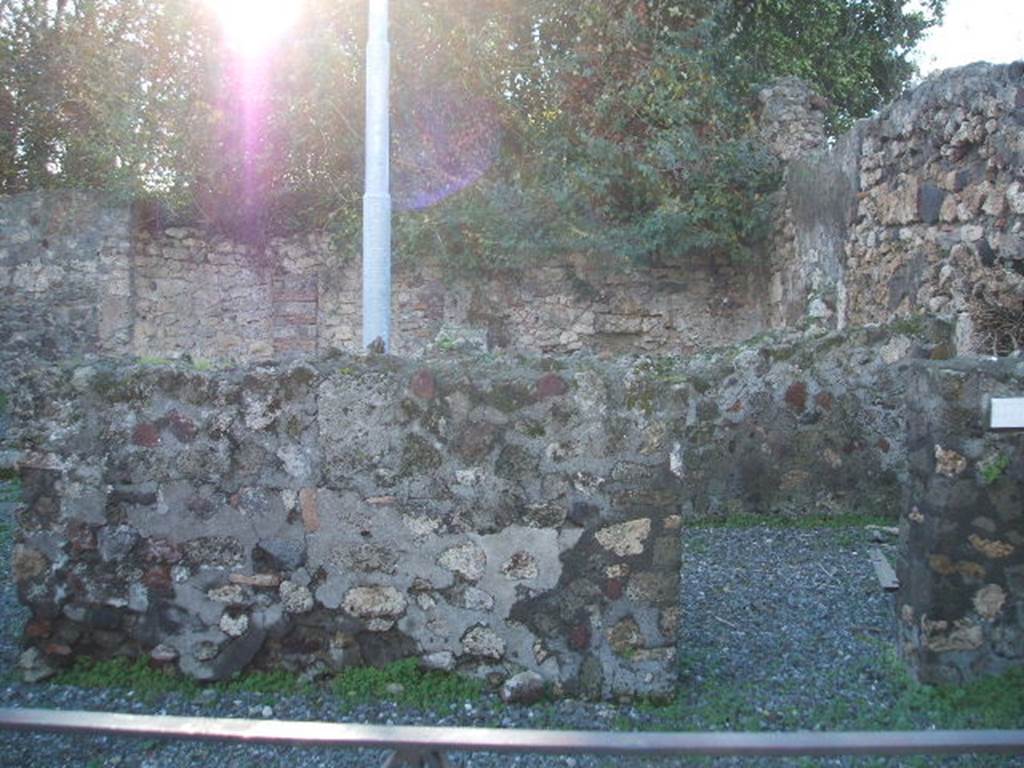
{"points": [[120, 672], [804, 522], [150, 360], [902, 703], [419, 688], [991, 702]]}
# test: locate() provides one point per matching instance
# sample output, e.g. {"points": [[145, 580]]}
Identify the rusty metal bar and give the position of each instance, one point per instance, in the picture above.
{"points": [[427, 741]]}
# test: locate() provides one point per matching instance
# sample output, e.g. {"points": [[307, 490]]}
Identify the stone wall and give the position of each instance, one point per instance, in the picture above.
{"points": [[64, 276], [919, 209], [483, 513], [80, 276], [484, 517], [961, 601]]}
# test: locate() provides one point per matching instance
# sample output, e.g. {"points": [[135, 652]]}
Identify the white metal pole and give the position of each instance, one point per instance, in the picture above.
{"points": [[377, 196]]}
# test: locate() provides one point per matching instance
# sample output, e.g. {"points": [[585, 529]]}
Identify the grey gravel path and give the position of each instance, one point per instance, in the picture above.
{"points": [[782, 629]]}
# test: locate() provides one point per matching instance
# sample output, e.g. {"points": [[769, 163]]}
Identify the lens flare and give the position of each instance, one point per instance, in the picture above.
{"points": [[252, 27]]}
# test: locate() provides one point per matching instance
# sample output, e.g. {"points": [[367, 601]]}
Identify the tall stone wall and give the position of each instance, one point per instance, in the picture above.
{"points": [[100, 282], [961, 601], [918, 210], [65, 276]]}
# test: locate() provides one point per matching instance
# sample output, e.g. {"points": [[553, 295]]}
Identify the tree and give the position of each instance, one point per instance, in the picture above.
{"points": [[855, 52], [621, 129]]}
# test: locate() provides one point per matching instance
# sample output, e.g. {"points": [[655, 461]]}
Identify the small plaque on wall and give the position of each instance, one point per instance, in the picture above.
{"points": [[1007, 413]]}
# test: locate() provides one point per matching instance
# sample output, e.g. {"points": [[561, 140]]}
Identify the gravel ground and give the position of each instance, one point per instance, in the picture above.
{"points": [[782, 629]]}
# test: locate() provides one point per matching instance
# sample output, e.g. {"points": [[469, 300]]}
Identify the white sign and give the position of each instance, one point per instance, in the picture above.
{"points": [[1007, 413]]}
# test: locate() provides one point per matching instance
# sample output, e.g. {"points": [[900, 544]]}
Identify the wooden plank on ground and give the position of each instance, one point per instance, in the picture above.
{"points": [[886, 575]]}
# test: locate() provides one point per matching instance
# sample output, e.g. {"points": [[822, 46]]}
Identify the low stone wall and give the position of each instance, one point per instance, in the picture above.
{"points": [[484, 518], [961, 601], [484, 514]]}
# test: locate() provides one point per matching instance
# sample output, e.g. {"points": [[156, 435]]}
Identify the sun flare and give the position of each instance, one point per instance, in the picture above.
{"points": [[252, 27]]}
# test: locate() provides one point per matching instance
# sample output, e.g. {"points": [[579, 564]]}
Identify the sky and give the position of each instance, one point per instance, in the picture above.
{"points": [[974, 30]]}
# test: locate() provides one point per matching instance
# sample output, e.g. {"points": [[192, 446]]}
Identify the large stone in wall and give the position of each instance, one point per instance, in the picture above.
{"points": [[961, 567]]}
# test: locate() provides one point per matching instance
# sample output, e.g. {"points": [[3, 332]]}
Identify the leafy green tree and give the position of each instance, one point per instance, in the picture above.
{"points": [[855, 52], [618, 129]]}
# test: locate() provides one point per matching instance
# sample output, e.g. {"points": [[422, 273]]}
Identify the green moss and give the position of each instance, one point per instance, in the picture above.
{"points": [[152, 360], [509, 397], [419, 688], [532, 428], [993, 467], [912, 325]]}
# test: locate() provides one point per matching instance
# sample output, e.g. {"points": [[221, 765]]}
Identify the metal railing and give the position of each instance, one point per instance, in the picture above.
{"points": [[426, 747]]}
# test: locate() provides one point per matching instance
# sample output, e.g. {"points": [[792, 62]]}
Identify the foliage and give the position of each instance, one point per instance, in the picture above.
{"points": [[619, 129], [409, 685], [720, 702], [119, 672], [993, 467], [855, 52], [402, 681]]}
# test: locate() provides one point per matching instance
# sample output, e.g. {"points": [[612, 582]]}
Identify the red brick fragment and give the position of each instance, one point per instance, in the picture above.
{"points": [[147, 435], [38, 628], [796, 395], [423, 385], [181, 426], [579, 636], [550, 385]]}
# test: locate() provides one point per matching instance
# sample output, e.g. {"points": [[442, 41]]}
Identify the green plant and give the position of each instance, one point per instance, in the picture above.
{"points": [[447, 344], [121, 672], [993, 467], [404, 682], [153, 360]]}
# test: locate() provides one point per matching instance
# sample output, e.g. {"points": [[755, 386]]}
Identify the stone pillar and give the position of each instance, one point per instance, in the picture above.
{"points": [[961, 566]]}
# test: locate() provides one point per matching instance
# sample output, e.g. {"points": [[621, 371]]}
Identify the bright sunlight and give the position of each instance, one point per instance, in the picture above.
{"points": [[252, 27]]}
